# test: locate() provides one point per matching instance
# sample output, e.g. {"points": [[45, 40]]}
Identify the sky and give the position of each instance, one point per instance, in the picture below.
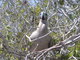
{"points": [[0, 3], [32, 2]]}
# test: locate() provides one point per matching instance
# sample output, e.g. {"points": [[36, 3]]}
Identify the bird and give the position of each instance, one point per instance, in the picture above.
{"points": [[42, 29]]}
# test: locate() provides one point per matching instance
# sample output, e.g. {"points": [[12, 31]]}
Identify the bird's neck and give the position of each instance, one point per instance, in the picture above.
{"points": [[42, 25], [42, 22]]}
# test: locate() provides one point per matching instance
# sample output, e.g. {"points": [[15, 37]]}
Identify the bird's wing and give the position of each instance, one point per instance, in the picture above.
{"points": [[50, 42]]}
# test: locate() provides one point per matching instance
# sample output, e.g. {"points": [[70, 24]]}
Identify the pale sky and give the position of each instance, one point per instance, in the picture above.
{"points": [[0, 3], [32, 2]]}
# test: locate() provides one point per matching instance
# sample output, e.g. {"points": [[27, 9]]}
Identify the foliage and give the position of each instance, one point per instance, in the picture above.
{"points": [[19, 18]]}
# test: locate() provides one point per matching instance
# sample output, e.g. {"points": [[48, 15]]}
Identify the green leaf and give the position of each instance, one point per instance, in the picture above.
{"points": [[8, 27], [9, 12], [71, 54], [37, 10], [22, 11], [4, 4], [61, 2]]}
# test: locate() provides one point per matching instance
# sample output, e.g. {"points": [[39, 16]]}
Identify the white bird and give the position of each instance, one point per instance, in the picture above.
{"points": [[41, 30]]}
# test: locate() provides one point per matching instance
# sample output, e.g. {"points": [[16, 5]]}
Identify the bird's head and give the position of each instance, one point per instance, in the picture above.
{"points": [[43, 15]]}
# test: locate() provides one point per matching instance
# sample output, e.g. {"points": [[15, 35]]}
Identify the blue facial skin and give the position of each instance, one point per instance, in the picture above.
{"points": [[43, 16]]}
